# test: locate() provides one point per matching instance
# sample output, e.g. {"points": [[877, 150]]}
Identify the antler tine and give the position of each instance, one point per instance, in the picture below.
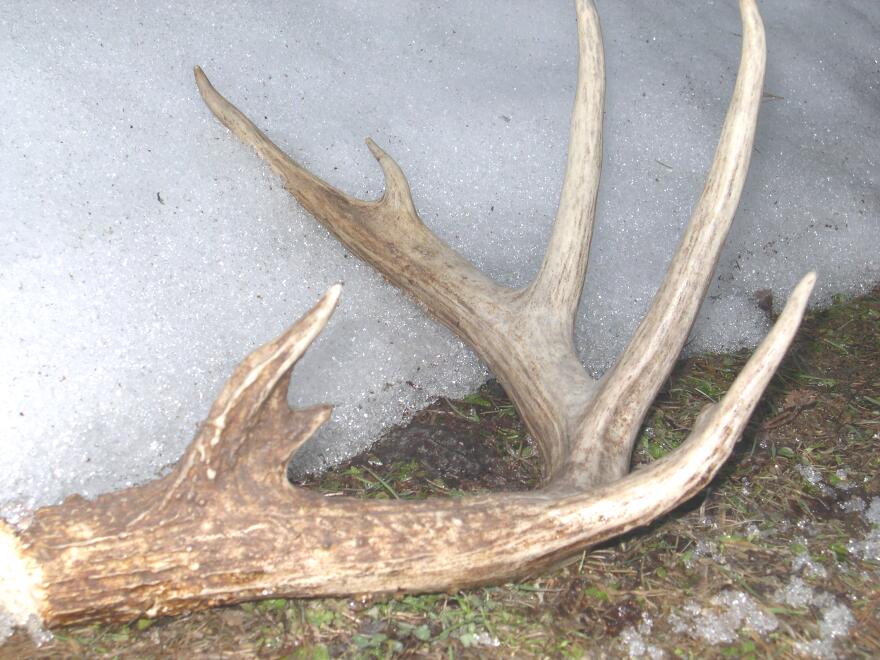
{"points": [[630, 386], [387, 233], [557, 288], [311, 191], [645, 494]]}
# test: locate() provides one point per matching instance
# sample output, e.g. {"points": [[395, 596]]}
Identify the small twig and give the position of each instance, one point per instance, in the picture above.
{"points": [[383, 482], [473, 417]]}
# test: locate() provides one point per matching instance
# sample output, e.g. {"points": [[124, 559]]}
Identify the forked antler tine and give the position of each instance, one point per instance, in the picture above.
{"points": [[644, 494], [251, 419], [631, 385], [316, 195], [258, 384], [259, 375], [388, 233], [557, 288]]}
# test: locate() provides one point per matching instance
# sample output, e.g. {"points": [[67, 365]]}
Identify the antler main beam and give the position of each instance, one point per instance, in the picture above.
{"points": [[225, 526]]}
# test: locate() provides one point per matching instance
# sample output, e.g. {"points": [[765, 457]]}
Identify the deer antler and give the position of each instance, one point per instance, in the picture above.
{"points": [[226, 526]]}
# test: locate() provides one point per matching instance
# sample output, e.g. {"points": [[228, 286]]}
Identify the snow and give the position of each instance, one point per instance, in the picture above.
{"points": [[868, 549], [730, 612], [144, 251], [872, 515], [804, 563], [634, 640], [812, 476], [835, 618]]}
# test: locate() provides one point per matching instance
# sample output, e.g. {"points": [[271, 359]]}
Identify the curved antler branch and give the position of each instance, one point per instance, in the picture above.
{"points": [[631, 385], [225, 526]]}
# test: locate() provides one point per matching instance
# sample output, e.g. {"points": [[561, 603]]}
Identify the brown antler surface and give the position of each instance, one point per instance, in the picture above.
{"points": [[225, 526]]}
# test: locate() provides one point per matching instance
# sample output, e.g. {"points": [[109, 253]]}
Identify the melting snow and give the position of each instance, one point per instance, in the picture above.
{"points": [[731, 611]]}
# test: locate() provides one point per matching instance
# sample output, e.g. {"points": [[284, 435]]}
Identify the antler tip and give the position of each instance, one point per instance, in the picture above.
{"points": [[331, 296], [377, 151], [206, 89], [808, 280], [302, 333], [318, 414], [801, 292]]}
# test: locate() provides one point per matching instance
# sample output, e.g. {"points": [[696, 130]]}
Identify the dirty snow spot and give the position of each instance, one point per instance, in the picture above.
{"points": [[810, 567], [855, 504], [704, 548], [835, 617], [38, 634], [34, 627], [867, 549], [843, 482], [730, 611], [812, 476], [836, 622], [806, 526], [633, 640], [796, 593], [753, 532], [479, 639], [804, 563], [810, 473], [872, 515]]}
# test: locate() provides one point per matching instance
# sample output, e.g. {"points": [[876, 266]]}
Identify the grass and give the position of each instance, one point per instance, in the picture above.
{"points": [[776, 538]]}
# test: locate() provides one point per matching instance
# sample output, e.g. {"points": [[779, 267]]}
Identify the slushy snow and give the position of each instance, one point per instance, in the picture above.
{"points": [[144, 251]]}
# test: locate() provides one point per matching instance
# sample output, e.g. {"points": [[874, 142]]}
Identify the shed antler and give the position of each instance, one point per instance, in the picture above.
{"points": [[226, 526]]}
